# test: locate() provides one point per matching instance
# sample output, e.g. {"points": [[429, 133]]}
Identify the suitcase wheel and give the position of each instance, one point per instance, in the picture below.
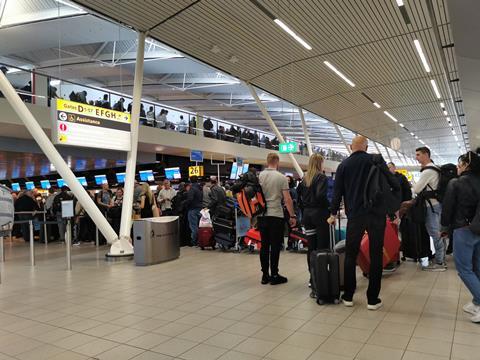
{"points": [[213, 247], [202, 248], [404, 258], [365, 275], [251, 248], [320, 302], [336, 301]]}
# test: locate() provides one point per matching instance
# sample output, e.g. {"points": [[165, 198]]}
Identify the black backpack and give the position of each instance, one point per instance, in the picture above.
{"points": [[382, 192], [446, 172]]}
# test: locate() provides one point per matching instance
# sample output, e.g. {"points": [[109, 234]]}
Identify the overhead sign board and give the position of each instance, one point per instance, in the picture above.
{"points": [[195, 171], [85, 125], [196, 155], [288, 147]]}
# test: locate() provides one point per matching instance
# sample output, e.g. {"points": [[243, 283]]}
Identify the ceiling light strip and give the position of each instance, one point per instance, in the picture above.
{"points": [[336, 71], [435, 89], [390, 116], [292, 34], [421, 54]]}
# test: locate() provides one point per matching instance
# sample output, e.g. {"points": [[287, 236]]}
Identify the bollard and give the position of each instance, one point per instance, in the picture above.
{"points": [[45, 234], [68, 245], [32, 247], [97, 241]]}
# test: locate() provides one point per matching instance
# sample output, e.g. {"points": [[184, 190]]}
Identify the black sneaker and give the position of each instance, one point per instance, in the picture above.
{"points": [[265, 279], [278, 279], [375, 305]]}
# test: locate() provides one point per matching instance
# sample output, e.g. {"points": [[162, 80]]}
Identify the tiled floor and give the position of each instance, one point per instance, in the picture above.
{"points": [[210, 305]]}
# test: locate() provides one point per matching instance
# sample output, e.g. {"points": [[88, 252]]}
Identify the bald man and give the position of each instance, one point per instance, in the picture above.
{"points": [[350, 183]]}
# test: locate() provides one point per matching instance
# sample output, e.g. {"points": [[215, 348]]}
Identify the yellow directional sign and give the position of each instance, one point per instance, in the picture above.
{"points": [[195, 171]]}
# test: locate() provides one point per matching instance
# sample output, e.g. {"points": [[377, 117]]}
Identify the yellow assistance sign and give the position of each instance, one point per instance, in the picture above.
{"points": [[96, 112], [195, 171], [405, 173]]}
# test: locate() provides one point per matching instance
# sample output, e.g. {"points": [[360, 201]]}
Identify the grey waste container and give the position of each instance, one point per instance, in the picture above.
{"points": [[156, 240]]}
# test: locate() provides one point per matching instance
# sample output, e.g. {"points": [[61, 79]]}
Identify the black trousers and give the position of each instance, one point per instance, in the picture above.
{"points": [[316, 219], [356, 227], [271, 231]]}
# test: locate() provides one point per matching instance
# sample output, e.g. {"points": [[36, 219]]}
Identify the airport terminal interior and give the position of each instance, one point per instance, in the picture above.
{"points": [[128, 129]]}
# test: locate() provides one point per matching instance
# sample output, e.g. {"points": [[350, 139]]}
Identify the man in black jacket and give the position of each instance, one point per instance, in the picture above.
{"points": [[26, 203], [193, 205], [217, 196], [350, 184]]}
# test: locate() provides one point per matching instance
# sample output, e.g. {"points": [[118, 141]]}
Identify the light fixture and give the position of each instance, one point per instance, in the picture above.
{"points": [[453, 132], [55, 82], [435, 89], [442, 105], [336, 71], [400, 3], [448, 119], [401, 125], [377, 105], [390, 116], [292, 33], [456, 138], [422, 142], [416, 137], [421, 54], [445, 112], [412, 134]]}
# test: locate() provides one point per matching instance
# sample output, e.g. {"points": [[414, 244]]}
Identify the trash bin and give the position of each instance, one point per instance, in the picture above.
{"points": [[156, 240]]}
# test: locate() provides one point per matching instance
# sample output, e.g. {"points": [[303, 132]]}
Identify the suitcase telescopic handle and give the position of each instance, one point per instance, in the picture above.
{"points": [[332, 237]]}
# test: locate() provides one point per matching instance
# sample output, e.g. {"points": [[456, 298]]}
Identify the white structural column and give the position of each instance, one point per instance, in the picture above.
{"points": [[264, 111], [340, 135], [56, 159], [305, 132], [124, 246]]}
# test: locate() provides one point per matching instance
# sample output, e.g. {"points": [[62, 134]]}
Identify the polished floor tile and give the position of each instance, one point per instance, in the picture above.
{"points": [[210, 305]]}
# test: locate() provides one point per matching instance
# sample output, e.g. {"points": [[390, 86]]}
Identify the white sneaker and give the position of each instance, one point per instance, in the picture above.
{"points": [[378, 304], [347, 303], [471, 308], [476, 318]]}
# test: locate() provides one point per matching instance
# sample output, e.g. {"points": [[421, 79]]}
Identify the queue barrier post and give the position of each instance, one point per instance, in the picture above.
{"points": [[68, 245], [32, 245]]}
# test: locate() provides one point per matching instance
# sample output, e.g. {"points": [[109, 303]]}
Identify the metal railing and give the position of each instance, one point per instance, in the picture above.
{"points": [[185, 122]]}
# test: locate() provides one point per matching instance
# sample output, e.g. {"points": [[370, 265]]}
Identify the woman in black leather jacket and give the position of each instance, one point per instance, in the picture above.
{"points": [[313, 201], [458, 209]]}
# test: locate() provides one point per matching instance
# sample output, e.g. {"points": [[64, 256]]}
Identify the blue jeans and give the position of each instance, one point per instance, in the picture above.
{"points": [[432, 223], [193, 220], [467, 260]]}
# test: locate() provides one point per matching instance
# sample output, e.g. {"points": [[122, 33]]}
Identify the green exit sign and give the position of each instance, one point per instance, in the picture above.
{"points": [[288, 147]]}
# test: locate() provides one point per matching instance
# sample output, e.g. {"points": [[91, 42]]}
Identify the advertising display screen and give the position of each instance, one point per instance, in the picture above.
{"points": [[85, 125], [101, 179], [29, 185], [146, 175], [120, 178], [245, 168], [172, 173], [82, 180], [61, 182], [45, 184], [15, 186], [233, 173]]}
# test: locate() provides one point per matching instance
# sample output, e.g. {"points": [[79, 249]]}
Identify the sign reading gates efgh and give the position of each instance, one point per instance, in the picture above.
{"points": [[85, 125], [288, 147]]}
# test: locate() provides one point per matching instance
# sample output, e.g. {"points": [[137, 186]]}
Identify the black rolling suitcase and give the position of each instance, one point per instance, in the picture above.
{"points": [[225, 233], [325, 273]]}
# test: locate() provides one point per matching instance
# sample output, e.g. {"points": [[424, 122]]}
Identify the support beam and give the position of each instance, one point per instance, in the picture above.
{"points": [[274, 128], [388, 153], [125, 247], [376, 147], [305, 132], [340, 135], [56, 159]]}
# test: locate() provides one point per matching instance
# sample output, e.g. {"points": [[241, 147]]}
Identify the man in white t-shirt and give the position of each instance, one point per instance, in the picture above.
{"points": [[272, 224], [428, 181], [165, 197]]}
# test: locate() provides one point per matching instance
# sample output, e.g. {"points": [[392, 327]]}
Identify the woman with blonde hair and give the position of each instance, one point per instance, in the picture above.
{"points": [[147, 201], [314, 204]]}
